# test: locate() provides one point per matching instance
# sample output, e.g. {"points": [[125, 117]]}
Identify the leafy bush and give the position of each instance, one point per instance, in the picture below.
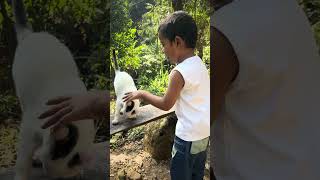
{"points": [[316, 29], [9, 106], [156, 85]]}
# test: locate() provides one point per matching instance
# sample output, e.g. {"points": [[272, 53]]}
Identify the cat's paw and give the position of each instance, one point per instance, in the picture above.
{"points": [[115, 122]]}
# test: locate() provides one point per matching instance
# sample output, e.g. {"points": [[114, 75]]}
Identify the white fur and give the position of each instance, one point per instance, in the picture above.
{"points": [[44, 68], [124, 83]]}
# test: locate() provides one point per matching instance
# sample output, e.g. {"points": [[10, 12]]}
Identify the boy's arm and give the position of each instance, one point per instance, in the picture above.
{"points": [[76, 107], [176, 83], [225, 69]]}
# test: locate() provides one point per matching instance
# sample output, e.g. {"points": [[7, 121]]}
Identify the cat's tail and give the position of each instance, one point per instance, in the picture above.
{"points": [[21, 22], [116, 66]]}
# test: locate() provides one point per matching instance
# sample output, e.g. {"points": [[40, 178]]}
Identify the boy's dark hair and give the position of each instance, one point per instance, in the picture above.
{"points": [[180, 24]]}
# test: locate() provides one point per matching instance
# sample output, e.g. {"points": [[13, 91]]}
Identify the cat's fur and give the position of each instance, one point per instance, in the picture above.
{"points": [[123, 83], [44, 68]]}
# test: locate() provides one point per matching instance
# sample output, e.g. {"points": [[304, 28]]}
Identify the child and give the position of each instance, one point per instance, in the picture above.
{"points": [[266, 92], [189, 90]]}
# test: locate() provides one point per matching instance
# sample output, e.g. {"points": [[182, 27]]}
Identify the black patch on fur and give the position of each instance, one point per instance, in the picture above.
{"points": [[63, 147], [74, 161], [36, 163], [129, 108]]}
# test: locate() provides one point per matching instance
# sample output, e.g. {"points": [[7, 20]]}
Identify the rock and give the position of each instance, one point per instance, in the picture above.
{"points": [[133, 175], [122, 174], [159, 137]]}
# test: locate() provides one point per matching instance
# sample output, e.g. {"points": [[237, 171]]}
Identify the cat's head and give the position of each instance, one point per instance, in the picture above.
{"points": [[65, 155], [126, 110]]}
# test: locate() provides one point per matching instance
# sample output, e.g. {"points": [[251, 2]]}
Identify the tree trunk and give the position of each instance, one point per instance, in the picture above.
{"points": [[177, 5], [8, 37]]}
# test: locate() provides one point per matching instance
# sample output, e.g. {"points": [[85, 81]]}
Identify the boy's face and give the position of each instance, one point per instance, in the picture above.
{"points": [[169, 48]]}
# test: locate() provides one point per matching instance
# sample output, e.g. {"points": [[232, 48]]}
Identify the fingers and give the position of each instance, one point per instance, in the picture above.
{"points": [[53, 110], [58, 100], [69, 117], [56, 117], [127, 98]]}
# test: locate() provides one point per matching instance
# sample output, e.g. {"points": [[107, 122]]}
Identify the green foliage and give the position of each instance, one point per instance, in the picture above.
{"points": [[154, 75], [157, 85], [8, 106], [316, 29], [83, 26], [136, 133], [199, 10], [123, 37], [137, 43], [119, 139], [61, 12], [312, 9], [127, 50]]}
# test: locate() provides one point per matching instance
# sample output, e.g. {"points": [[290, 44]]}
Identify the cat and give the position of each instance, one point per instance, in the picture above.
{"points": [[44, 68], [123, 83]]}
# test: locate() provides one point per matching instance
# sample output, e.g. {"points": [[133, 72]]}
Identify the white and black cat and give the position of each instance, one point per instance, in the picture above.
{"points": [[44, 68], [123, 83]]}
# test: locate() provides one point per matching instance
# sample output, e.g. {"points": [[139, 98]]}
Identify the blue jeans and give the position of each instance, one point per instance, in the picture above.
{"points": [[188, 159]]}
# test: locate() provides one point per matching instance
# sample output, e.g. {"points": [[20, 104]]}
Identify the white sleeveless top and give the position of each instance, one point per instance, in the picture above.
{"points": [[269, 127], [193, 105]]}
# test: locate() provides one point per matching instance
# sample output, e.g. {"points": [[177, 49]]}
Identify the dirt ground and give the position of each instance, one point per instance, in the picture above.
{"points": [[130, 160], [8, 138]]}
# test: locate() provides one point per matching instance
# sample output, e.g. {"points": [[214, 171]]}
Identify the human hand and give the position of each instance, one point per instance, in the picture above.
{"points": [[129, 96], [73, 108]]}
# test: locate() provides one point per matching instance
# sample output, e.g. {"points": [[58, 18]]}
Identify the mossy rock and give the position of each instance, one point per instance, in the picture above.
{"points": [[158, 139]]}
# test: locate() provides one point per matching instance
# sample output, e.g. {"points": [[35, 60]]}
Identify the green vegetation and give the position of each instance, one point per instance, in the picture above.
{"points": [[134, 26], [134, 35], [312, 10], [81, 25]]}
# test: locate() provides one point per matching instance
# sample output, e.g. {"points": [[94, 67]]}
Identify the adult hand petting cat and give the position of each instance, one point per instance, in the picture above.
{"points": [[76, 107], [129, 96]]}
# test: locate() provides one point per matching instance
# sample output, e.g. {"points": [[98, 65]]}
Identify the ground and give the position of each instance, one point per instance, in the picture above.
{"points": [[126, 153], [8, 138], [130, 157]]}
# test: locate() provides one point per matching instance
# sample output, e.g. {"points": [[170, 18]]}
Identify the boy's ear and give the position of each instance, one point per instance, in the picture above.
{"points": [[178, 41]]}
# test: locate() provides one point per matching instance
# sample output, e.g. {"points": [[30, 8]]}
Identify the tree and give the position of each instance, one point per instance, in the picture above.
{"points": [[8, 38], [83, 26], [177, 5]]}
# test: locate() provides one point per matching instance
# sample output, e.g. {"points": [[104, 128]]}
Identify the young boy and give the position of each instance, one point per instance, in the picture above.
{"points": [[189, 91]]}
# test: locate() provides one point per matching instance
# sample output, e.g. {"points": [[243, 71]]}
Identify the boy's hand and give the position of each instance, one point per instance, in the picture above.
{"points": [[73, 108], [132, 95], [176, 83]]}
